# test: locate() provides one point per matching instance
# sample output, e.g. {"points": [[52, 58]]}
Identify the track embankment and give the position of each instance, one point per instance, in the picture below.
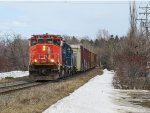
{"points": [[37, 99]]}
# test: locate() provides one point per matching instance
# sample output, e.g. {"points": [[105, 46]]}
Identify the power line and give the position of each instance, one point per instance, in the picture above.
{"points": [[144, 21]]}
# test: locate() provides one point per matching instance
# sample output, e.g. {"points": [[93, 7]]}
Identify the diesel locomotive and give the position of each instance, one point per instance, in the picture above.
{"points": [[51, 58]]}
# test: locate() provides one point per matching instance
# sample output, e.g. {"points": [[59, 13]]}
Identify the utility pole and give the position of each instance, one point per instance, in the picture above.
{"points": [[145, 24], [144, 21]]}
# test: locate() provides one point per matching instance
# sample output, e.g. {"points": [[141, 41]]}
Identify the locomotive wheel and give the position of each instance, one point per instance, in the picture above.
{"points": [[62, 73]]}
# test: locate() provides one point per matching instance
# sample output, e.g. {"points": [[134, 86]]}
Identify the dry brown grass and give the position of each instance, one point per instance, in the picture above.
{"points": [[37, 99]]}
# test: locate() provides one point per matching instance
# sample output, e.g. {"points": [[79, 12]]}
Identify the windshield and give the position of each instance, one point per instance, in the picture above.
{"points": [[57, 42], [33, 42], [49, 41], [40, 41]]}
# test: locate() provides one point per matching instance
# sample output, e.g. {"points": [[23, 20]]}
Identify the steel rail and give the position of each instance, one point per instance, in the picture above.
{"points": [[14, 86]]}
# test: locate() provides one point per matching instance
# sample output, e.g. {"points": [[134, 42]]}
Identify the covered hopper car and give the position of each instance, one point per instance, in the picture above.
{"points": [[51, 58], [84, 58]]}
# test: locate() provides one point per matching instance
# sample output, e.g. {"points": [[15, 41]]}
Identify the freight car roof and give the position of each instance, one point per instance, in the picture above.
{"points": [[80, 45], [75, 45]]}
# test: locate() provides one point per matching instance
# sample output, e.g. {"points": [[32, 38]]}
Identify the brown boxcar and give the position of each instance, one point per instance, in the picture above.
{"points": [[92, 60], [95, 58]]}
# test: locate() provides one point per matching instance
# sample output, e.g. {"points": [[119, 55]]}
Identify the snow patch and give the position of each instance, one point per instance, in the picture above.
{"points": [[14, 74], [97, 96], [93, 97]]}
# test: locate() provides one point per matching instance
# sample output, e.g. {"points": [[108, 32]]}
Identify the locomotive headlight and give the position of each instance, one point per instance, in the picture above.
{"points": [[44, 48], [52, 60], [35, 60]]}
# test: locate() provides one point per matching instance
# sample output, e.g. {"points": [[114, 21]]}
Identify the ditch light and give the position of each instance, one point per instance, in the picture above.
{"points": [[52, 60]]}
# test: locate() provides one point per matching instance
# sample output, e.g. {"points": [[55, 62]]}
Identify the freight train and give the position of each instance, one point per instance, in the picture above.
{"points": [[51, 58]]}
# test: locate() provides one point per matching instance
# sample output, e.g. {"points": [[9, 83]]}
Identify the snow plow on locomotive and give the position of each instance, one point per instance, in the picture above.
{"points": [[51, 58]]}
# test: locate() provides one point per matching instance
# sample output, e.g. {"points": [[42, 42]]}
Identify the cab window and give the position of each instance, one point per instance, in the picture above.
{"points": [[57, 42], [40, 41], [49, 41], [33, 42]]}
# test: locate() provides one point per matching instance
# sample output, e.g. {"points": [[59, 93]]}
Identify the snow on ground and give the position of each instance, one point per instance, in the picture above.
{"points": [[14, 74], [96, 96]]}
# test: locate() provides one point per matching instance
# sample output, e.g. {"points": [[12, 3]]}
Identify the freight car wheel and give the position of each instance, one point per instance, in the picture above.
{"points": [[69, 72]]}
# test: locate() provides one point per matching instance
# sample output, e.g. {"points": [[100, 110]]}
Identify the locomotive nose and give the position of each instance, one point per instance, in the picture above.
{"points": [[48, 50], [46, 55], [45, 49]]}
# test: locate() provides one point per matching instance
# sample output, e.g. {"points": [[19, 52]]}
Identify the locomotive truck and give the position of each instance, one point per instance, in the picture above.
{"points": [[51, 58]]}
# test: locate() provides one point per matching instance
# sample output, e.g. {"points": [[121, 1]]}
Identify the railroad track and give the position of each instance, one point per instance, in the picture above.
{"points": [[14, 86], [6, 88]]}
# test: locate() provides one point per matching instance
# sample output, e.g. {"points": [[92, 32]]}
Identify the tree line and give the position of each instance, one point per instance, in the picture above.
{"points": [[13, 52]]}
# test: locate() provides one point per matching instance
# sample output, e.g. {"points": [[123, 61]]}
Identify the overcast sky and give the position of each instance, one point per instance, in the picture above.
{"points": [[71, 18]]}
